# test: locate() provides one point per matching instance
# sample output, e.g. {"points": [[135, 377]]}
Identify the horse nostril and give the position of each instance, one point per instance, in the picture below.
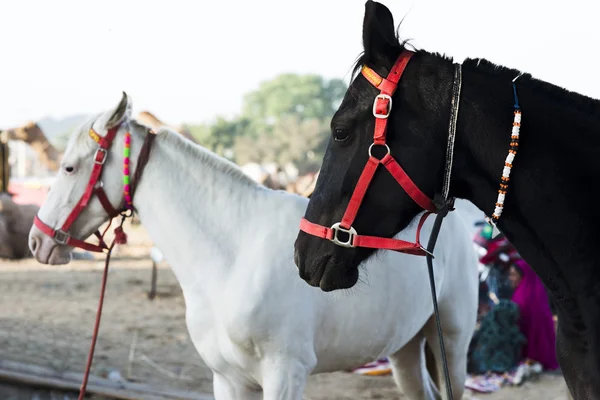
{"points": [[34, 244]]}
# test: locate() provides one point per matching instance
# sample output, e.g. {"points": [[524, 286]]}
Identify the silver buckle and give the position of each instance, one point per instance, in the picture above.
{"points": [[104, 154], [351, 233], [383, 97], [61, 237]]}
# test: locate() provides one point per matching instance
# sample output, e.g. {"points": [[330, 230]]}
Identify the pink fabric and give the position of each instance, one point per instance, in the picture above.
{"points": [[535, 319], [27, 194]]}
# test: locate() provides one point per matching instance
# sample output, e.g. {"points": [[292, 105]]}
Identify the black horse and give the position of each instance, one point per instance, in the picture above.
{"points": [[549, 213]]}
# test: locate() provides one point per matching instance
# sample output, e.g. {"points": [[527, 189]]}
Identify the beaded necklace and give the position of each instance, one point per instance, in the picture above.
{"points": [[508, 163]]}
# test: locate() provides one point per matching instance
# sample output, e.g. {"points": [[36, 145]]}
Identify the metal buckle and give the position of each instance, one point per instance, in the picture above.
{"points": [[61, 237], [389, 110], [351, 233], [373, 144], [104, 154]]}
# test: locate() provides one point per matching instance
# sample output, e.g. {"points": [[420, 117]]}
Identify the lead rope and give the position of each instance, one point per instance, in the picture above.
{"points": [[88, 364], [444, 205], [437, 224]]}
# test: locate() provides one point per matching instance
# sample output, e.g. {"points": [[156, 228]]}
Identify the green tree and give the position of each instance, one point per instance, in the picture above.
{"points": [[220, 137], [290, 140], [285, 120], [305, 96]]}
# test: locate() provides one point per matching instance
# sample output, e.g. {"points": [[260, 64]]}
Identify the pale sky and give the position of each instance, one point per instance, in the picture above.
{"points": [[188, 61]]}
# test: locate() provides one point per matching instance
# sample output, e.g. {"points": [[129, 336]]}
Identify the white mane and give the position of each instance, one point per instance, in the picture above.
{"points": [[204, 156]]}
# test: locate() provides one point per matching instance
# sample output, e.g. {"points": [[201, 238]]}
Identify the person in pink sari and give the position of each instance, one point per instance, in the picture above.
{"points": [[535, 319]]}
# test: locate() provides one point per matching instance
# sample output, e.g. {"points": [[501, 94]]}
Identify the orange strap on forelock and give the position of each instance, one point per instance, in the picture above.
{"points": [[372, 76], [388, 85]]}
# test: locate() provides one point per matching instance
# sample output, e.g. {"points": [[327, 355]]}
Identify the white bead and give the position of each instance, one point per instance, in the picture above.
{"points": [[518, 117], [506, 172], [515, 130], [501, 197], [498, 210], [510, 157]]}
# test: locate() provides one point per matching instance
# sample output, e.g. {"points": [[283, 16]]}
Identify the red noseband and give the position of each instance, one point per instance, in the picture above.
{"points": [[382, 106]]}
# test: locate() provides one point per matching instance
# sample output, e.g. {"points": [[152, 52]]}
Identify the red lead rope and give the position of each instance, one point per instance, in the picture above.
{"points": [[88, 364], [382, 106]]}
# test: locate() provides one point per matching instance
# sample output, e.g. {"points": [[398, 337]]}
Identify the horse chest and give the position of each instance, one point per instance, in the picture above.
{"points": [[223, 335]]}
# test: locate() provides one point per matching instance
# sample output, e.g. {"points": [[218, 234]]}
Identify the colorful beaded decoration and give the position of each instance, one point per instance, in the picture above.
{"points": [[126, 153], [126, 187], [508, 163]]}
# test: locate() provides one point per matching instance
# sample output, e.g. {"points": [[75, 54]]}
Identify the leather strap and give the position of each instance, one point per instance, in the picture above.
{"points": [[407, 184], [142, 160], [373, 242], [99, 160]]}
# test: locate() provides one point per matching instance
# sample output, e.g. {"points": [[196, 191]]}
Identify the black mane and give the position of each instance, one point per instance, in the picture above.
{"points": [[559, 94], [566, 97]]}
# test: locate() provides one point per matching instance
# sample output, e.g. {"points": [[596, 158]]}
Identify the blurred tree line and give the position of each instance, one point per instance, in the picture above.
{"points": [[286, 120]]}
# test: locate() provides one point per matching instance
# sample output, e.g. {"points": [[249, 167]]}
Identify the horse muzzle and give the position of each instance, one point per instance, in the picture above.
{"points": [[46, 250]]}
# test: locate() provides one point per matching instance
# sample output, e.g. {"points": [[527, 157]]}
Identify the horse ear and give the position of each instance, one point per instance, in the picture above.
{"points": [[119, 114], [379, 36]]}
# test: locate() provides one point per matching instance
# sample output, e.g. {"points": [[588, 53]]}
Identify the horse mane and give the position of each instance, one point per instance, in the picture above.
{"points": [[169, 137], [203, 155], [558, 94]]}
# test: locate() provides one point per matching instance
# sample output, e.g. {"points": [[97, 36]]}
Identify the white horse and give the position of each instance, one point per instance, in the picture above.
{"points": [[256, 324]]}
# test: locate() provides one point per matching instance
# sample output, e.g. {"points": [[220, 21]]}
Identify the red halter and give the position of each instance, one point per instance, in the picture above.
{"points": [[94, 187], [382, 106]]}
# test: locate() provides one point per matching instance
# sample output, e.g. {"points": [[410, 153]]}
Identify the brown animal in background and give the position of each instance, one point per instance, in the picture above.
{"points": [[33, 135], [15, 222]]}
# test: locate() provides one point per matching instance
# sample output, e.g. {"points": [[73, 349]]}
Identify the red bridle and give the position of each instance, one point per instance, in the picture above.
{"points": [[382, 107], [94, 187]]}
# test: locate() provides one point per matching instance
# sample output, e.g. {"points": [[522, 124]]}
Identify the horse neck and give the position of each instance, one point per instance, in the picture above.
{"points": [[549, 182], [198, 210]]}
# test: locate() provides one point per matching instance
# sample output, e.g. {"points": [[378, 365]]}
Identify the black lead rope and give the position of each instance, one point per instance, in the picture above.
{"points": [[442, 212], [444, 204]]}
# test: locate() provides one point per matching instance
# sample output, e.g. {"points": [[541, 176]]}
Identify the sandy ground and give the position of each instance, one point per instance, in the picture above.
{"points": [[47, 315]]}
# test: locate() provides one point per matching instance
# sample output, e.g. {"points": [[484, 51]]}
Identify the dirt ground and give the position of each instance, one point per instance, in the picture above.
{"points": [[47, 314]]}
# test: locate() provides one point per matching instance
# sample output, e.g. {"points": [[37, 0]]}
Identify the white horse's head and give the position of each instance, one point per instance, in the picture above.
{"points": [[60, 228]]}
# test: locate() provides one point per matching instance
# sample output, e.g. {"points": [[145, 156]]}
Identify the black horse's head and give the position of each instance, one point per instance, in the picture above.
{"points": [[416, 135]]}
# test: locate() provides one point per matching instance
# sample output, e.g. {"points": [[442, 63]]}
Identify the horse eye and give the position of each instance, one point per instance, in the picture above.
{"points": [[69, 170], [339, 134]]}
